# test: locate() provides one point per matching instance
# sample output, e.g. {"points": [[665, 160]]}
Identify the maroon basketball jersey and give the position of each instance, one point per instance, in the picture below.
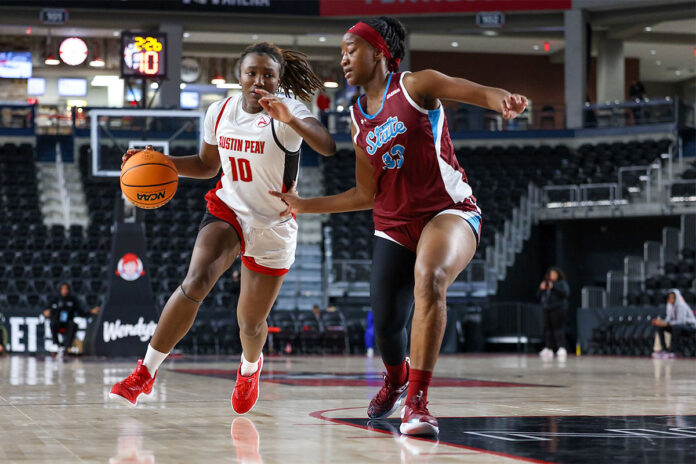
{"points": [[412, 157]]}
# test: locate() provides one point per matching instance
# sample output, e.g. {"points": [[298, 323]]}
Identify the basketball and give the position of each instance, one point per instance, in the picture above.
{"points": [[149, 179]]}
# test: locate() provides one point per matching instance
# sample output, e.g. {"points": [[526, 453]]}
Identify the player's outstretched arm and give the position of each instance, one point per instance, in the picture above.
{"points": [[428, 85], [360, 197], [315, 134], [309, 129], [204, 165]]}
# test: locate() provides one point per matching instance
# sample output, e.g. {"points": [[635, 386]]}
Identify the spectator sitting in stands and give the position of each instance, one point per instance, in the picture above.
{"points": [[680, 322], [62, 312]]}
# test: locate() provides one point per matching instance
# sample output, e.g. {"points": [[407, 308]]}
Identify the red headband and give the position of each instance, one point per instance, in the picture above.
{"points": [[375, 39]]}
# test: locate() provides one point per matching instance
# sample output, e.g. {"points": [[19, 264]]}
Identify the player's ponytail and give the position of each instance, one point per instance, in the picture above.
{"points": [[296, 74]]}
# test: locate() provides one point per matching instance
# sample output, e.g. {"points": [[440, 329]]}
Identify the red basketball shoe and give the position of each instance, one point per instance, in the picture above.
{"points": [[389, 398], [416, 419], [246, 390], [139, 382]]}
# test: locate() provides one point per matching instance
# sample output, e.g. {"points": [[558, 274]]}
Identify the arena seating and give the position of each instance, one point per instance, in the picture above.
{"points": [[631, 335], [170, 230], [36, 258], [217, 333], [649, 278], [33, 258], [638, 293]]}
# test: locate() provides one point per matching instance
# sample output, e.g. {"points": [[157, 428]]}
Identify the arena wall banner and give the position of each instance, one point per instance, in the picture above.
{"points": [[31, 333], [288, 7], [128, 318], [400, 7]]}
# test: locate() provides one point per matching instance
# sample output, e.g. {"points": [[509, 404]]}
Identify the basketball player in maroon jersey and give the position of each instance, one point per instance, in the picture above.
{"points": [[427, 223]]}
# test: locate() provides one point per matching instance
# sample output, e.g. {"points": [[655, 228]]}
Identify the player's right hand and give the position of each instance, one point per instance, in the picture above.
{"points": [[131, 152], [127, 155]]}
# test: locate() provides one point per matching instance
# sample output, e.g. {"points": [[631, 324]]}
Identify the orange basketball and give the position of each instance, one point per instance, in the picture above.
{"points": [[149, 179]]}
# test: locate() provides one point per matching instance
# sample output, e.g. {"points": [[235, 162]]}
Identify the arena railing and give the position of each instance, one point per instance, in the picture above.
{"points": [[563, 196], [633, 276], [515, 323], [670, 245], [652, 255], [462, 118], [508, 242], [593, 297], [352, 277], [587, 199], [682, 191], [687, 236], [649, 172], [656, 255], [632, 113], [651, 188], [615, 288]]}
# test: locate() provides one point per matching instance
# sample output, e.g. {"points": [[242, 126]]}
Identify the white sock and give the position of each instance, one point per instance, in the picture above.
{"points": [[249, 368], [153, 359]]}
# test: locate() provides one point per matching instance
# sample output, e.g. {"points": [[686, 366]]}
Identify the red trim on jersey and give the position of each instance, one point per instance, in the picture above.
{"points": [[220, 210], [252, 265], [220, 115]]}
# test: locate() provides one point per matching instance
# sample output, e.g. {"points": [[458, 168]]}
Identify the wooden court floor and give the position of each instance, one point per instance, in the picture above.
{"points": [[492, 409]]}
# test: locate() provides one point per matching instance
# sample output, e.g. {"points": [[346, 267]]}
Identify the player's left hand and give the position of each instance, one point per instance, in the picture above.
{"points": [[513, 105], [274, 106]]}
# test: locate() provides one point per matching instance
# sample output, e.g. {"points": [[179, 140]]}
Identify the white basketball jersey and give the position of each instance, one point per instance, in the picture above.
{"points": [[253, 160]]}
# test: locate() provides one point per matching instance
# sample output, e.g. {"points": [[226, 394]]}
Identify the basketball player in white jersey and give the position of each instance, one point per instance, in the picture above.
{"points": [[255, 137]]}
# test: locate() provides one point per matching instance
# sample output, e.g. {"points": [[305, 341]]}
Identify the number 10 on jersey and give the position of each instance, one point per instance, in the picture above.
{"points": [[241, 169]]}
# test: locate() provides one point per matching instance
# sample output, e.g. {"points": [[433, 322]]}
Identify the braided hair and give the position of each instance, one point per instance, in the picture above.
{"points": [[393, 33], [296, 75]]}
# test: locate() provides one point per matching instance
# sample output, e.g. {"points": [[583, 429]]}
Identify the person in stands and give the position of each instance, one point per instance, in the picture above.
{"points": [[680, 322], [62, 312], [553, 294]]}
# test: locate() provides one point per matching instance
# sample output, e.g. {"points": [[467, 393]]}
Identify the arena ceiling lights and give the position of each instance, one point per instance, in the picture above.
{"points": [[73, 51]]}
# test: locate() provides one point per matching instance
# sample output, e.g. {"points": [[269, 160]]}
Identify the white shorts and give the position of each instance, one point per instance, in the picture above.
{"points": [[269, 251]]}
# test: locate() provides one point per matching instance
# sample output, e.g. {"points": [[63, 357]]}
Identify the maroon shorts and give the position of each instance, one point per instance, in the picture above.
{"points": [[407, 235]]}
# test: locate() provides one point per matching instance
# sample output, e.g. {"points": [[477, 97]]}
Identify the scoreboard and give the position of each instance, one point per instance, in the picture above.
{"points": [[143, 54]]}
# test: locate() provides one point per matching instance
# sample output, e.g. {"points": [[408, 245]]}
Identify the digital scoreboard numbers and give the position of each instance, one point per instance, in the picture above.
{"points": [[143, 54]]}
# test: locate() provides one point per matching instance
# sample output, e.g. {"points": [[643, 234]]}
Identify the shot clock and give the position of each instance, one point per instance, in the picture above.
{"points": [[143, 54]]}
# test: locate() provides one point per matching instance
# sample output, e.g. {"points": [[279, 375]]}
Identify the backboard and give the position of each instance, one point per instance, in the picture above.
{"points": [[113, 132]]}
